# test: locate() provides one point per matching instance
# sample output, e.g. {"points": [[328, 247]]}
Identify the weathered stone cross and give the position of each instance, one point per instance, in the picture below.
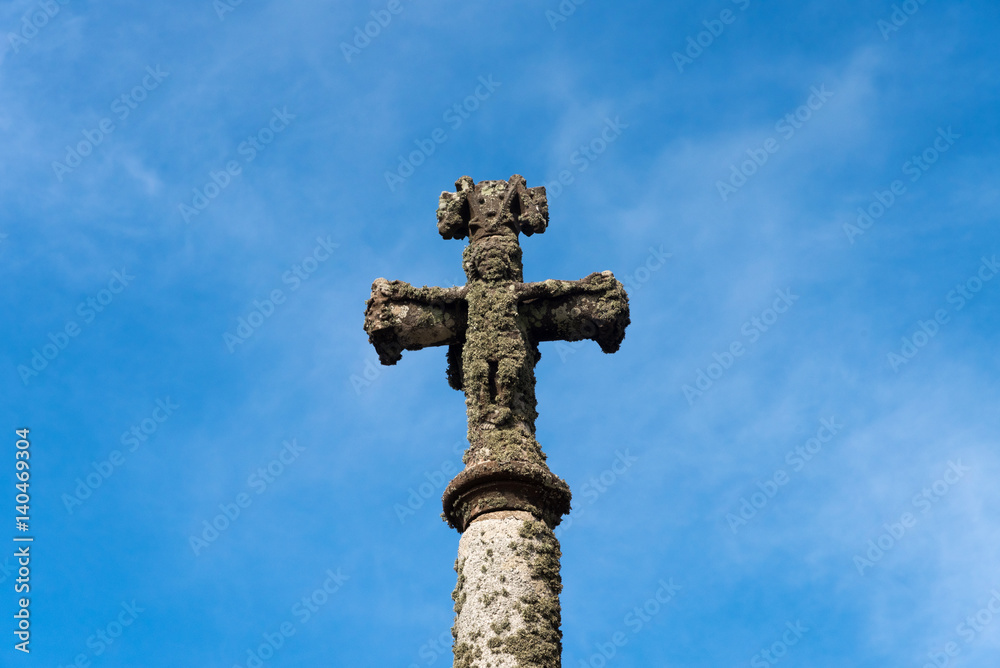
{"points": [[506, 502]]}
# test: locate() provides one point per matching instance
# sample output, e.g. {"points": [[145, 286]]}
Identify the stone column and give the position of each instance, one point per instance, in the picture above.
{"points": [[507, 597]]}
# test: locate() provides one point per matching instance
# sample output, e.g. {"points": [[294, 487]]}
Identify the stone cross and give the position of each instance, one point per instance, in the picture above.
{"points": [[506, 502]]}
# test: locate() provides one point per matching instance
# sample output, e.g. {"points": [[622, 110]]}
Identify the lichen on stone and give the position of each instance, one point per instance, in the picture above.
{"points": [[492, 327], [458, 596], [466, 655], [538, 644]]}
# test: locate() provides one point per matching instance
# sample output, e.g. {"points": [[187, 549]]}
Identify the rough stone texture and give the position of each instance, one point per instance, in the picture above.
{"points": [[487, 487], [506, 501], [507, 596], [401, 317], [493, 324]]}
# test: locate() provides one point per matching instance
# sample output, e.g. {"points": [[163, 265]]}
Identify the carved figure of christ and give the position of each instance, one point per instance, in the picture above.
{"points": [[493, 325], [505, 502]]}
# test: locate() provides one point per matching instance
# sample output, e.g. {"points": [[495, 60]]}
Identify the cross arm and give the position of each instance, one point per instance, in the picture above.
{"points": [[401, 317], [595, 308]]}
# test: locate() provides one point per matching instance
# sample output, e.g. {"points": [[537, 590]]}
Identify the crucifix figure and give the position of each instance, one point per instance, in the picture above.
{"points": [[506, 502]]}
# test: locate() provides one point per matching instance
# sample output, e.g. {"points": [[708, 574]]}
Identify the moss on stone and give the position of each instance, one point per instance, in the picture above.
{"points": [[538, 644], [458, 596], [500, 628], [466, 655], [492, 328], [498, 362]]}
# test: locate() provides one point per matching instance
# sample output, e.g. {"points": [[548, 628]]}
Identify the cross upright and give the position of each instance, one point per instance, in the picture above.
{"points": [[506, 502]]}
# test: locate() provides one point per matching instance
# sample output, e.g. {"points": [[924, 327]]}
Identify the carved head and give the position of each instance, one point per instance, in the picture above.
{"points": [[494, 257]]}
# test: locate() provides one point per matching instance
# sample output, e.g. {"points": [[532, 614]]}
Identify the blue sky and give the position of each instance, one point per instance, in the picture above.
{"points": [[798, 435]]}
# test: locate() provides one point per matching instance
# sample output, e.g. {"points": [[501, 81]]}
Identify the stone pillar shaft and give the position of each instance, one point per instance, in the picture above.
{"points": [[507, 596]]}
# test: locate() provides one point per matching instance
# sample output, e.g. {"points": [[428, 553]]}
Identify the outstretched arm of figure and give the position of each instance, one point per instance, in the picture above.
{"points": [[595, 308], [401, 317]]}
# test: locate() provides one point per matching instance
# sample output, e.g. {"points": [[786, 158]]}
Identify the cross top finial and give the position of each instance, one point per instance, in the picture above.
{"points": [[492, 208]]}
